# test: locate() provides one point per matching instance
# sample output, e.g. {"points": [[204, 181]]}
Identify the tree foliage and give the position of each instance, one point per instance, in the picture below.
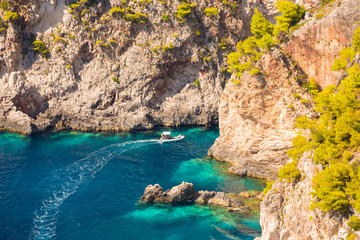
{"points": [[330, 186], [41, 48], [291, 15], [260, 26], [211, 12], [251, 49], [334, 137], [289, 172]]}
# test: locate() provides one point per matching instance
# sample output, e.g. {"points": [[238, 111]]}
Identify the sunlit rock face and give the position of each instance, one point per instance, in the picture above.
{"points": [[257, 117]]}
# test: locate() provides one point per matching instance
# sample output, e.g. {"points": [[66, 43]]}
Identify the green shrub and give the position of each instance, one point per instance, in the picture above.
{"points": [[224, 43], [99, 42], [323, 2], [345, 57], [312, 87], [354, 223], [11, 16], [260, 26], [319, 16], [168, 47], [4, 5], [211, 12], [289, 172], [303, 100], [356, 40], [184, 10], [291, 15], [250, 50], [41, 48], [268, 187], [115, 79], [166, 18], [117, 11], [197, 83], [60, 39], [296, 95], [254, 71], [330, 187], [351, 236], [137, 17]]}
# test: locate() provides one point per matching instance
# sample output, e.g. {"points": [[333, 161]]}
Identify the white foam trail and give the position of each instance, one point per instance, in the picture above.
{"points": [[65, 181]]}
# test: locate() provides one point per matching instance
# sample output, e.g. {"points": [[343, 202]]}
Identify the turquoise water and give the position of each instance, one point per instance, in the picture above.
{"points": [[86, 186]]}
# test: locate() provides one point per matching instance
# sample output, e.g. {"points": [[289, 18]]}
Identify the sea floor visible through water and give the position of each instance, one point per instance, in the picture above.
{"points": [[87, 186]]}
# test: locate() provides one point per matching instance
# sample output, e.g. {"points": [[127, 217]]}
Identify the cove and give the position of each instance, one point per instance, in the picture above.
{"points": [[87, 185]]}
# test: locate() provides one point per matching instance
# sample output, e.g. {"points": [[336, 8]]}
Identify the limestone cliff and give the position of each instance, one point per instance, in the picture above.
{"points": [[317, 43], [285, 212], [257, 117], [133, 67]]}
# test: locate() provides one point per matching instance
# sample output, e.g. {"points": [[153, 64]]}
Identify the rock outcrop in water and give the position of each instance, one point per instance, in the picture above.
{"points": [[185, 192]]}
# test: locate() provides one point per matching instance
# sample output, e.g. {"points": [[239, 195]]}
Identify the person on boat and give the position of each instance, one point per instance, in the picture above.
{"points": [[162, 137]]}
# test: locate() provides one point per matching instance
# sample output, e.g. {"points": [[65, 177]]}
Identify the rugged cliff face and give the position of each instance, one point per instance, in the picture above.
{"points": [[113, 70], [285, 212], [317, 43], [257, 123], [257, 117]]}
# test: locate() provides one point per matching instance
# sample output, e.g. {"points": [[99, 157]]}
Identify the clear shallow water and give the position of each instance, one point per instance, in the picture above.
{"points": [[86, 186]]}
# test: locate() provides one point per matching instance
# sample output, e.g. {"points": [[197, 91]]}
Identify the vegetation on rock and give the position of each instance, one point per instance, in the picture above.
{"points": [[250, 50], [11, 16], [334, 137], [211, 12], [291, 15], [41, 48], [183, 10]]}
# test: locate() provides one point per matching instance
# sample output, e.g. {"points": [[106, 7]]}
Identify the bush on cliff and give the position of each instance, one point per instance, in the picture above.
{"points": [[260, 26], [330, 186], [183, 10], [41, 48], [289, 172], [211, 12], [250, 50], [335, 137], [291, 15], [354, 223]]}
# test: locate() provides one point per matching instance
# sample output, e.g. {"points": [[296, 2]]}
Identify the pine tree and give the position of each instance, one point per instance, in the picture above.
{"points": [[260, 26]]}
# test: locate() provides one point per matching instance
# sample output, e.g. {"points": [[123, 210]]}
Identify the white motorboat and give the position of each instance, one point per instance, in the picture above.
{"points": [[166, 137]]}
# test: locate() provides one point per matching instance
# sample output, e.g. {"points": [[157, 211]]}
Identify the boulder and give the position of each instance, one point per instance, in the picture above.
{"points": [[184, 191], [152, 193]]}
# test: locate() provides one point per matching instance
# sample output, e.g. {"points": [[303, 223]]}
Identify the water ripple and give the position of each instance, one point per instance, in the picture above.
{"points": [[65, 181]]}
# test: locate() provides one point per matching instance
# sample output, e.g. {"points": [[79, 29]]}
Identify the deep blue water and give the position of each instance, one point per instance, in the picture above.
{"points": [[86, 186]]}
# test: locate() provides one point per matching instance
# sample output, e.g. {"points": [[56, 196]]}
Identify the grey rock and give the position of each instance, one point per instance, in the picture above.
{"points": [[240, 171]]}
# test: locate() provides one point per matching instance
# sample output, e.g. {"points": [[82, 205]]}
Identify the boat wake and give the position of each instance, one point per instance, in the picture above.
{"points": [[65, 181]]}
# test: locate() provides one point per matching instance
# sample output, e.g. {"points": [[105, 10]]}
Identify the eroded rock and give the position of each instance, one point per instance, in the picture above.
{"points": [[185, 192], [257, 117]]}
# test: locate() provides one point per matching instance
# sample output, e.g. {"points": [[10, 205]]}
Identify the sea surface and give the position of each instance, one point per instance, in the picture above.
{"points": [[87, 186]]}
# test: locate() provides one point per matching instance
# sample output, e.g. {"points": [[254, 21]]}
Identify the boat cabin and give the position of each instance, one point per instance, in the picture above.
{"points": [[166, 135]]}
